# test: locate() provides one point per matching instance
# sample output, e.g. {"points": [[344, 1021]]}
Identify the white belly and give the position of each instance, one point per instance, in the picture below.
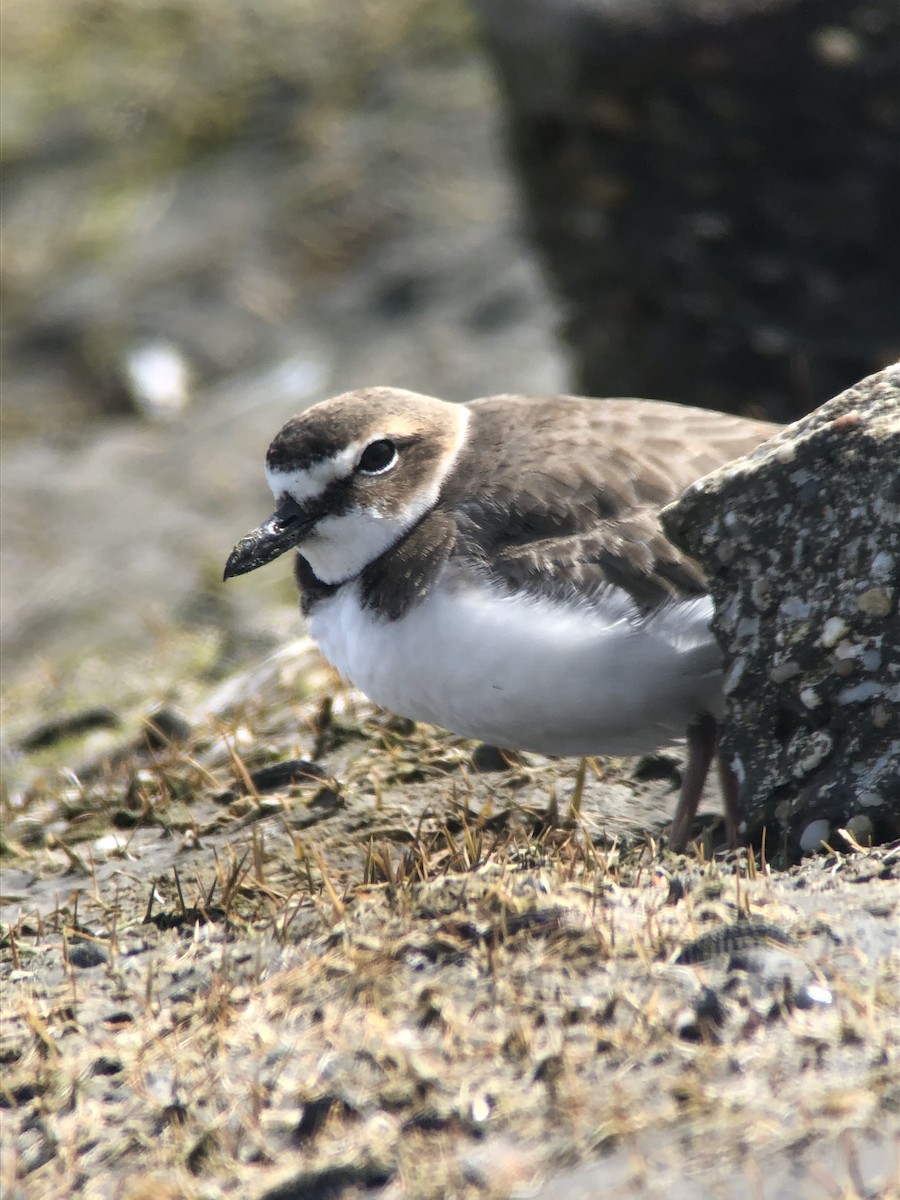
{"points": [[531, 674]]}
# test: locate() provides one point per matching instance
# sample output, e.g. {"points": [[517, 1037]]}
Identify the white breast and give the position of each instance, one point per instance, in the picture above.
{"points": [[531, 674]]}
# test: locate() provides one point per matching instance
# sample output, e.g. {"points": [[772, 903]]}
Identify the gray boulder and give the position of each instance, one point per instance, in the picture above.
{"points": [[713, 187], [801, 543]]}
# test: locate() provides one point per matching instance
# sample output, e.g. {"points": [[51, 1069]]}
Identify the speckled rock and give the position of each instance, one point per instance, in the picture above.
{"points": [[801, 541]]}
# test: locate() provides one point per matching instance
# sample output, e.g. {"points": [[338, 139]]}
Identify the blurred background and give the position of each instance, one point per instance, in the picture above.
{"points": [[217, 212]]}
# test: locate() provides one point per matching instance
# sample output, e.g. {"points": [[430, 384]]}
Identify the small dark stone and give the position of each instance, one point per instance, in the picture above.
{"points": [[657, 766], [282, 775], [87, 954], [123, 819], [175, 1113], [20, 1095], [708, 1015], [329, 1183], [690, 1031], [165, 727], [120, 1017], [317, 1111], [187, 917], [676, 890], [202, 1152], [710, 1008], [106, 1066], [401, 726], [486, 759], [739, 962], [682, 1096], [277, 777], [549, 1069], [26, 832], [48, 733]]}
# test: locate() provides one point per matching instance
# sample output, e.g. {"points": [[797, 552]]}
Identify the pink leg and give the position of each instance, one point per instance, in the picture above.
{"points": [[702, 740], [731, 800]]}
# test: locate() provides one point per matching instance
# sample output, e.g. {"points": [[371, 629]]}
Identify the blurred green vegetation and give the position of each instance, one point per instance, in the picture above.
{"points": [[133, 90], [158, 81]]}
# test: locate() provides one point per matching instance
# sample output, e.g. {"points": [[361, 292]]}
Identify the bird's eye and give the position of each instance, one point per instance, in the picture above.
{"points": [[377, 457]]}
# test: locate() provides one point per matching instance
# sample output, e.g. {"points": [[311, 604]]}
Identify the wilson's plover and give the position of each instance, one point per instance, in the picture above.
{"points": [[498, 568]]}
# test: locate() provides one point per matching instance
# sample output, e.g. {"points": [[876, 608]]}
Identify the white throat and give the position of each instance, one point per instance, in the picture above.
{"points": [[340, 547]]}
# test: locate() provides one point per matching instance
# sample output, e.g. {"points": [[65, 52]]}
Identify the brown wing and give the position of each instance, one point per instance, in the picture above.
{"points": [[574, 487]]}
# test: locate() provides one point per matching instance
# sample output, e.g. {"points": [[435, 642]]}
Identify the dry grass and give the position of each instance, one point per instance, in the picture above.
{"points": [[396, 976]]}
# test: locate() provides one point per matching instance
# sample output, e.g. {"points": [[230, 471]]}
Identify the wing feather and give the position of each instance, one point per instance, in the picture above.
{"points": [[572, 490]]}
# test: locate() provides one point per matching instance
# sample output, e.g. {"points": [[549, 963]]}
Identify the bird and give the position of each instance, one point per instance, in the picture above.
{"points": [[498, 567]]}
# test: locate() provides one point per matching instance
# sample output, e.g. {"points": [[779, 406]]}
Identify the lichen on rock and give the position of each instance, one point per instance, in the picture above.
{"points": [[807, 615]]}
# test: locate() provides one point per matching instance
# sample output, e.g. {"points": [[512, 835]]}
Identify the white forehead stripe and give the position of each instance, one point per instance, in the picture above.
{"points": [[312, 481]]}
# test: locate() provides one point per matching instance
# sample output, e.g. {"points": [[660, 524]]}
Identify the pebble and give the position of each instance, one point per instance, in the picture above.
{"points": [[814, 835], [87, 954]]}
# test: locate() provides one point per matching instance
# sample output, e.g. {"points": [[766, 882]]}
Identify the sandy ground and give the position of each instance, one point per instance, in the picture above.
{"points": [[402, 976]]}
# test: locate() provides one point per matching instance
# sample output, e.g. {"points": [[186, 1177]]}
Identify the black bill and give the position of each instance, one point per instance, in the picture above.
{"points": [[286, 527]]}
